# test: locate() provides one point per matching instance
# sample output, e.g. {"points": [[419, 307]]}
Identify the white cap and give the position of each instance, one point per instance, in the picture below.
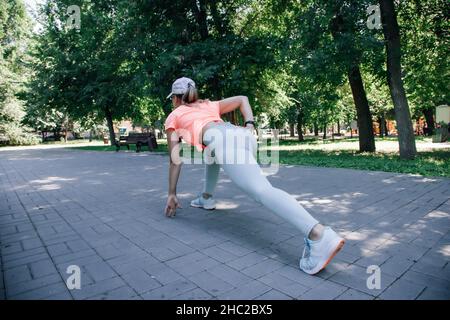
{"points": [[181, 86]]}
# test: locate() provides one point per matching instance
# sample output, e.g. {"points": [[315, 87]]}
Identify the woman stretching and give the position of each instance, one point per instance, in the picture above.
{"points": [[199, 123]]}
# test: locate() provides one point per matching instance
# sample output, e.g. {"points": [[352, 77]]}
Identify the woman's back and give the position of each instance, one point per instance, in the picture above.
{"points": [[188, 120]]}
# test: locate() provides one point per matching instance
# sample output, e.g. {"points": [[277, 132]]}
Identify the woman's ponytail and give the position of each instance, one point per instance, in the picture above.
{"points": [[190, 95]]}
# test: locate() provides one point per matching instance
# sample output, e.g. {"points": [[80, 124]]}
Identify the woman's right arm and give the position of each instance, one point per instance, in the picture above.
{"points": [[232, 103], [173, 143]]}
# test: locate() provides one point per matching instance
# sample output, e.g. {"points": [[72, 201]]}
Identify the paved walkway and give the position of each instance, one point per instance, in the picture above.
{"points": [[103, 212]]}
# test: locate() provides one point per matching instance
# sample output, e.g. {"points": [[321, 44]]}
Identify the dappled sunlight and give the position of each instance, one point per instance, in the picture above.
{"points": [[355, 235], [425, 180], [321, 201], [137, 192], [52, 179], [437, 214], [94, 182], [226, 205], [445, 250], [48, 187]]}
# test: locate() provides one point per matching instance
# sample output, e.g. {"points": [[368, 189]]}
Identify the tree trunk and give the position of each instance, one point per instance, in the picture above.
{"points": [[112, 135], [365, 127], [299, 126], [381, 126], [428, 113], [316, 130], [324, 131], [339, 128], [291, 130], [201, 16], [391, 32]]}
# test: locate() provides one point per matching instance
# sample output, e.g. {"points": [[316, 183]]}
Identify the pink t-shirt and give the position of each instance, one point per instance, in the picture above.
{"points": [[188, 121]]}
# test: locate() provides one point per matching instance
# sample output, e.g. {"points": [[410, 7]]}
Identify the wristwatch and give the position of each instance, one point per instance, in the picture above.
{"points": [[249, 121]]}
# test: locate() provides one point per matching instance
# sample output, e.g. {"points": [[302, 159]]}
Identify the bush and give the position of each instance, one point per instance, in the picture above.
{"points": [[14, 135]]}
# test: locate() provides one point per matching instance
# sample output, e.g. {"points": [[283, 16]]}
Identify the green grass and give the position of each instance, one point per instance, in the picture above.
{"points": [[318, 140], [430, 163]]}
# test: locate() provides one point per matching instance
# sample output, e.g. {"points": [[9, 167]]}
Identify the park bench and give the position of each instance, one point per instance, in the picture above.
{"points": [[139, 139]]}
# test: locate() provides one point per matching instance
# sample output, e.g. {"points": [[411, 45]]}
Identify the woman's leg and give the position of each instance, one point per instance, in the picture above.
{"points": [[250, 179], [211, 177]]}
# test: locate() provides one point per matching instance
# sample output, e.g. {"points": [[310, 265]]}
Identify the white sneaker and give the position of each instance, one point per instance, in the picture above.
{"points": [[318, 254], [200, 202]]}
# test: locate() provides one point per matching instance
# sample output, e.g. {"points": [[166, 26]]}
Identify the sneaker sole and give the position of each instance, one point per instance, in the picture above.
{"points": [[333, 254]]}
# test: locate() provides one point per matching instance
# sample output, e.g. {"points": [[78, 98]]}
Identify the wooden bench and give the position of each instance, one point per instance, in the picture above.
{"points": [[139, 139]]}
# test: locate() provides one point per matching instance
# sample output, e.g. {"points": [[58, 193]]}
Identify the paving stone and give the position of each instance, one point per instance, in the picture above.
{"points": [[24, 260], [140, 281], [196, 294], [325, 291], [23, 287], [42, 268], [400, 222], [284, 285], [58, 249], [97, 288], [356, 277], [402, 290], [123, 293], [246, 261], [122, 266], [273, 295], [427, 280], [250, 290], [170, 291], [396, 266], [432, 294], [210, 283], [77, 245], [262, 268], [64, 295], [234, 248], [11, 248], [219, 254], [229, 275], [17, 274], [295, 274], [161, 273], [53, 291], [352, 294], [21, 254], [100, 270], [29, 244], [192, 263]]}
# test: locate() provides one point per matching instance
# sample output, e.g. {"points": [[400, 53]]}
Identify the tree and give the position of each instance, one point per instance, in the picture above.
{"points": [[14, 37], [425, 55], [391, 32], [329, 44]]}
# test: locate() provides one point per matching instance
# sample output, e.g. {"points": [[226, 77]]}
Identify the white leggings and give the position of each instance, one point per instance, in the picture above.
{"points": [[221, 142]]}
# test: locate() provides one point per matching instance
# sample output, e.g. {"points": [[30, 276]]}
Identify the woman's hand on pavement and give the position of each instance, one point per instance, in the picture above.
{"points": [[172, 205]]}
